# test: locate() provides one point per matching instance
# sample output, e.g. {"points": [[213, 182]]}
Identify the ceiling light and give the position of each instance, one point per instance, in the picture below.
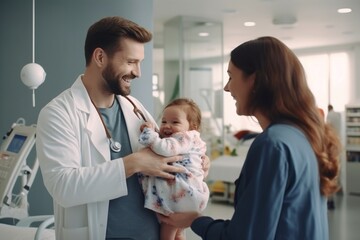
{"points": [[201, 24], [249, 24], [203, 34], [33, 74], [344, 10], [209, 24]]}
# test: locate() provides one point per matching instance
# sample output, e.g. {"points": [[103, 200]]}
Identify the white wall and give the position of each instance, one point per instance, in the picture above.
{"points": [[239, 123]]}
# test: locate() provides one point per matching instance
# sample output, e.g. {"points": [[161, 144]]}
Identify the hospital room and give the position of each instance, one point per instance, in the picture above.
{"points": [[191, 53]]}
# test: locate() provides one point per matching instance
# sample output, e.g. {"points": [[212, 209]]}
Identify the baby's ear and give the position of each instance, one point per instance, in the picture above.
{"points": [[193, 127]]}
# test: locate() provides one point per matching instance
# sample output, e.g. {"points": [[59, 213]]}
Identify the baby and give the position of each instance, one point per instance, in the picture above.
{"points": [[178, 135]]}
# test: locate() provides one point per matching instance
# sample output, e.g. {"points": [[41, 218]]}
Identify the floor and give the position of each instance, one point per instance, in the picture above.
{"points": [[344, 220]]}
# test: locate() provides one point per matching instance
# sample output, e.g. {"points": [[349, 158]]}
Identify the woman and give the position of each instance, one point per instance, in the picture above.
{"points": [[291, 167]]}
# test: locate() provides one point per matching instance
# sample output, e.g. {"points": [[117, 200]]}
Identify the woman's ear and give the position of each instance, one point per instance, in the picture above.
{"points": [[252, 78]]}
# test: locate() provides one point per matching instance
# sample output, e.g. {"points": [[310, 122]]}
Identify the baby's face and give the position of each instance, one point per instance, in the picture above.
{"points": [[174, 120]]}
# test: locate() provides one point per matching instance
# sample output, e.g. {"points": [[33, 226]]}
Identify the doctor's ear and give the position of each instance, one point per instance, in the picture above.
{"points": [[99, 57]]}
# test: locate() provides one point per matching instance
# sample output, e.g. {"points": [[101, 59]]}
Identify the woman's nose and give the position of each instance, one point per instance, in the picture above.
{"points": [[226, 87]]}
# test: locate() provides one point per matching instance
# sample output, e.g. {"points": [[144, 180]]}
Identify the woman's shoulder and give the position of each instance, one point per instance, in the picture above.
{"points": [[281, 135], [280, 143], [281, 131]]}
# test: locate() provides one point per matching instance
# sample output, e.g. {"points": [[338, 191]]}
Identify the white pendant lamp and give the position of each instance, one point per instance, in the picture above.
{"points": [[32, 74]]}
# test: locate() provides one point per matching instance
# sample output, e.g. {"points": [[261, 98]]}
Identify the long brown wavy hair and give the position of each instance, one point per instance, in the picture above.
{"points": [[281, 94]]}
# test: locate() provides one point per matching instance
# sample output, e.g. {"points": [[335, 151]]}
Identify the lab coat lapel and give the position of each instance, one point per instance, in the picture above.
{"points": [[132, 122], [97, 133], [93, 125]]}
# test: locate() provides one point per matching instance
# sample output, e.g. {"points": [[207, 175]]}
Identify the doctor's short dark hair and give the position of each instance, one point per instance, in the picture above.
{"points": [[108, 32], [192, 110]]}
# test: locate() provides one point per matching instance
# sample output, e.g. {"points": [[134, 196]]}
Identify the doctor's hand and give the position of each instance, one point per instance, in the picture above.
{"points": [[180, 219], [152, 164], [147, 125]]}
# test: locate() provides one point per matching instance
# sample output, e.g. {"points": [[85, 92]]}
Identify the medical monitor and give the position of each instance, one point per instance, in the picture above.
{"points": [[16, 143], [14, 151]]}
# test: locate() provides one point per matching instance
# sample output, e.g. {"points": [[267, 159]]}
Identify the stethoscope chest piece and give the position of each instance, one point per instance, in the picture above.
{"points": [[115, 146]]}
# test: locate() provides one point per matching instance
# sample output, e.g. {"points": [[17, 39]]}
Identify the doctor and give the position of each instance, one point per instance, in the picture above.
{"points": [[87, 142]]}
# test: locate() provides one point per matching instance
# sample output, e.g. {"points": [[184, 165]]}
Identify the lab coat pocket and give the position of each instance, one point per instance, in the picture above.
{"points": [[76, 233]]}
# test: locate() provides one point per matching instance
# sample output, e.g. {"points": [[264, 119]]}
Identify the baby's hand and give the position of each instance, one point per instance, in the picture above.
{"points": [[147, 125]]}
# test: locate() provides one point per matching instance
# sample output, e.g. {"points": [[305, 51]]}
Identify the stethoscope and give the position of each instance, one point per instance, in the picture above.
{"points": [[115, 146]]}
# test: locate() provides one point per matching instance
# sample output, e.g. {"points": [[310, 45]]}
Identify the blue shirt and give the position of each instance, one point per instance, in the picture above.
{"points": [[277, 195], [127, 218]]}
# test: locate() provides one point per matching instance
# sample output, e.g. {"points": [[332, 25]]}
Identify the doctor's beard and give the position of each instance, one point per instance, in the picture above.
{"points": [[114, 82]]}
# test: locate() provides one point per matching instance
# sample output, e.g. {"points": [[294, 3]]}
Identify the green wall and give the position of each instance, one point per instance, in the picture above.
{"points": [[61, 28]]}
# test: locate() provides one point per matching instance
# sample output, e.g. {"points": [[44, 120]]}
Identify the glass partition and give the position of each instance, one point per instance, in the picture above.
{"points": [[193, 68]]}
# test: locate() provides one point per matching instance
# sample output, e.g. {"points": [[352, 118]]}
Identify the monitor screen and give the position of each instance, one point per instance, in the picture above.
{"points": [[16, 143]]}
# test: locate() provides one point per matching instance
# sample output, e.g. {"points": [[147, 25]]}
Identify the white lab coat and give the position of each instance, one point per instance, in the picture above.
{"points": [[74, 157]]}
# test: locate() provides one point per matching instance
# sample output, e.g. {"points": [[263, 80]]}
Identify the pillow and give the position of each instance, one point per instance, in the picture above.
{"points": [[240, 134], [245, 135]]}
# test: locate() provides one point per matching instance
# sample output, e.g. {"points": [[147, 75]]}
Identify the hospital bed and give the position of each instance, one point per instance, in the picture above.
{"points": [[15, 173], [225, 169], [29, 228]]}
